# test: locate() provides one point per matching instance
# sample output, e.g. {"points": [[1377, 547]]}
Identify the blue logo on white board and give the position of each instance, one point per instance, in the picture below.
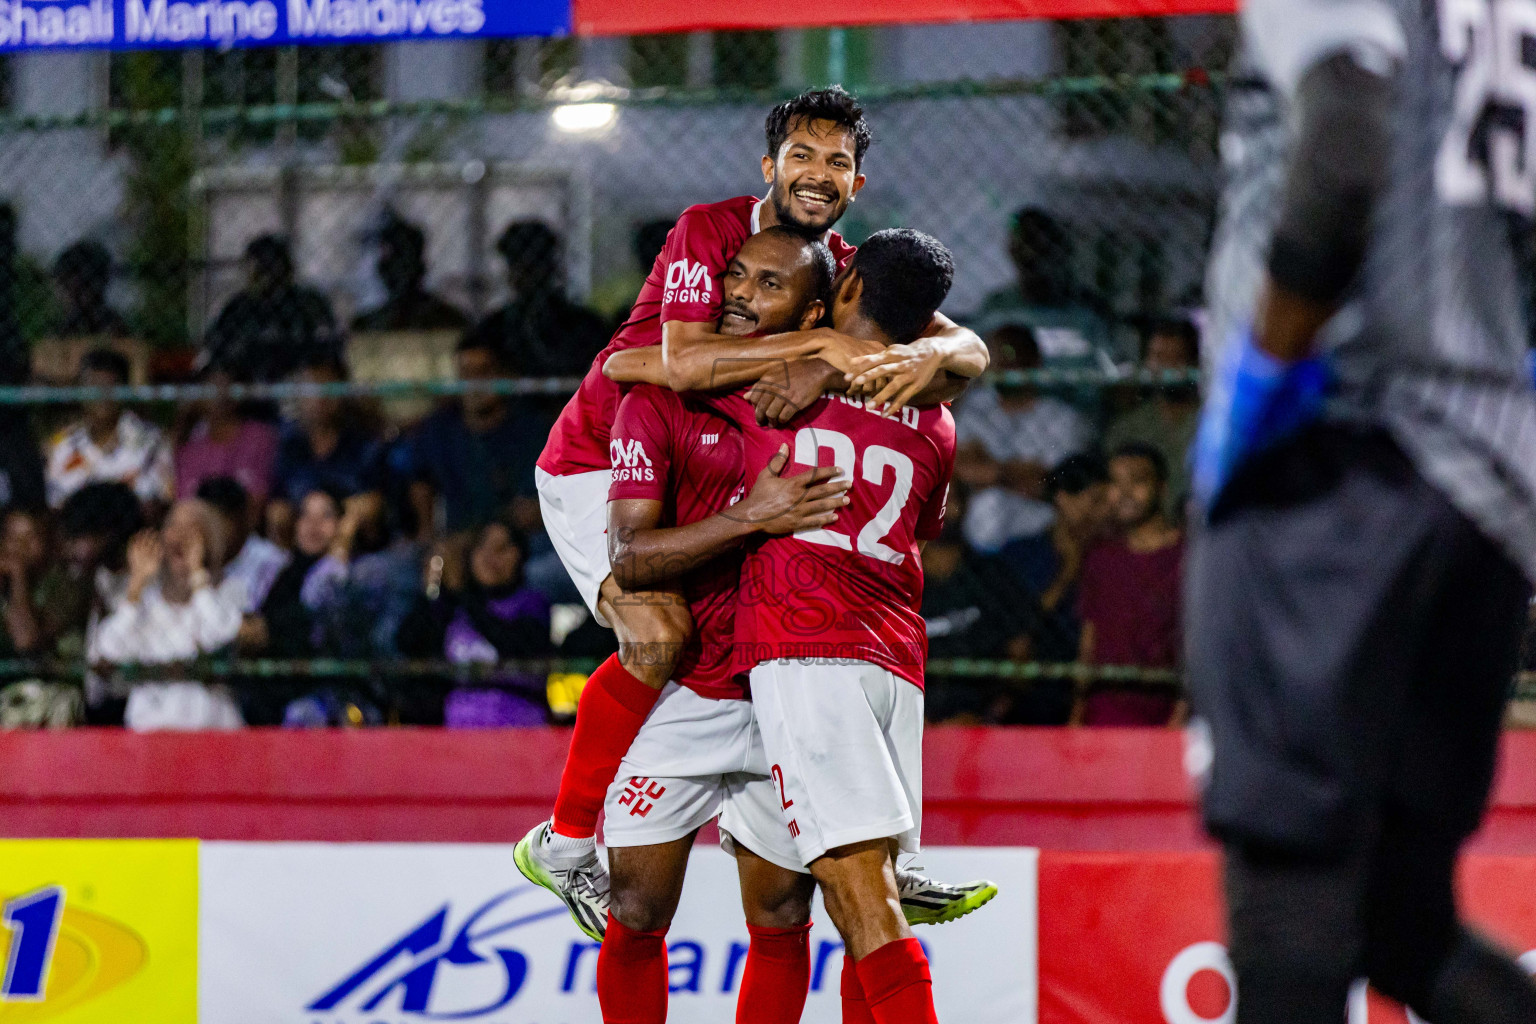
{"points": [[434, 972]]}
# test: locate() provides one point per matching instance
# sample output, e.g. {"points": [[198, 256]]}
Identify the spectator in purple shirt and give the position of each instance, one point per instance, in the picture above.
{"points": [[494, 617], [1129, 595], [224, 442]]}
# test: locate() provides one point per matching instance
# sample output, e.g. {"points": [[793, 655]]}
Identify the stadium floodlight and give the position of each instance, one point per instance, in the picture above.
{"points": [[584, 118]]}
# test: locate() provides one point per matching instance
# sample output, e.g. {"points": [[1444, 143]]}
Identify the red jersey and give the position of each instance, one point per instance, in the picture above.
{"points": [[673, 449], [684, 284], [853, 589]]}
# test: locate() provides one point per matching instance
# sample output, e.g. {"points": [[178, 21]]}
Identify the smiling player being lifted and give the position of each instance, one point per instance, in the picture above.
{"points": [[815, 144]]}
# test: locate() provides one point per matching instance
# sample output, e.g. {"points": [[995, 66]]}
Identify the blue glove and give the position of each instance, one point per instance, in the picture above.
{"points": [[1255, 402]]}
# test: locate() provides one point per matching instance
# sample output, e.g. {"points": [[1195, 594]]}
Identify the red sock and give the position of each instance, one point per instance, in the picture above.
{"points": [[777, 977], [612, 708], [897, 984], [632, 976], [855, 1009]]}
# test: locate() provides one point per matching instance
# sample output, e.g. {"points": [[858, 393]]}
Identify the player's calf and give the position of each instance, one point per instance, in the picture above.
{"points": [[777, 976], [858, 884], [632, 964]]}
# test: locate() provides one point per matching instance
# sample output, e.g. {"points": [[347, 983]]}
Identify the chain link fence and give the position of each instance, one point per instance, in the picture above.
{"points": [[176, 161], [374, 202]]}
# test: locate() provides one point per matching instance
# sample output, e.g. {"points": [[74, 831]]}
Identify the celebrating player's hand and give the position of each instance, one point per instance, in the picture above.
{"points": [[841, 350], [788, 504], [895, 375], [781, 397]]}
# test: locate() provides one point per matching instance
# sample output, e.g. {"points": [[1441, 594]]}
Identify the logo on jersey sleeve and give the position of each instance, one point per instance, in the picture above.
{"points": [[630, 462], [689, 281]]}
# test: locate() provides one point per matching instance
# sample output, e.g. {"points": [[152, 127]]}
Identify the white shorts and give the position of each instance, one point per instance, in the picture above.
{"points": [[845, 739], [575, 509], [693, 759]]}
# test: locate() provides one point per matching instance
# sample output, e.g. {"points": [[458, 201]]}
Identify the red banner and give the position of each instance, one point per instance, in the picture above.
{"points": [[1137, 938], [623, 17]]}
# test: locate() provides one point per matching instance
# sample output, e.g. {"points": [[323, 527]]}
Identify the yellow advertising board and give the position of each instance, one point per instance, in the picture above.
{"points": [[98, 931]]}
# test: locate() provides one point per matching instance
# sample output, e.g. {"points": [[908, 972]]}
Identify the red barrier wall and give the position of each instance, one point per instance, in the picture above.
{"points": [[1084, 789]]}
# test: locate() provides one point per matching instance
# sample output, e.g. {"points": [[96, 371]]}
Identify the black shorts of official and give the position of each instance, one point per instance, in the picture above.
{"points": [[1351, 639]]}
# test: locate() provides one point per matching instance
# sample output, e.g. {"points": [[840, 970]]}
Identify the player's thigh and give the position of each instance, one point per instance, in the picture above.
{"points": [[1302, 626], [575, 513], [646, 882], [826, 729]]}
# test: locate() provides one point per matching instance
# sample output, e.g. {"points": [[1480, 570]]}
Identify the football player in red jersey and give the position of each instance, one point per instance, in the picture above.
{"points": [[815, 144], [828, 622], [674, 515]]}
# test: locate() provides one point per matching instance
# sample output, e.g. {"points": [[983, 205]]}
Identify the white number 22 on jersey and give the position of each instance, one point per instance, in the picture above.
{"points": [[877, 459], [1489, 151]]}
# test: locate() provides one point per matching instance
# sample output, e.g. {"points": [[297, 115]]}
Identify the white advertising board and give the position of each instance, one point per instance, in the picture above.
{"points": [[372, 933]]}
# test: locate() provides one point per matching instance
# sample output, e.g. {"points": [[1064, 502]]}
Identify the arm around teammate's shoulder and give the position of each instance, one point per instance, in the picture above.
{"points": [[695, 357]]}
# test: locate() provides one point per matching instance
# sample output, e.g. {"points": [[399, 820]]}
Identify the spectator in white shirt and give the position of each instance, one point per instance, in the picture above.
{"points": [[175, 609], [1009, 437], [109, 444]]}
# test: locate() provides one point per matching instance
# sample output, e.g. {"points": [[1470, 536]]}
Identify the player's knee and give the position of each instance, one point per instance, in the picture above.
{"points": [[786, 904], [639, 907]]}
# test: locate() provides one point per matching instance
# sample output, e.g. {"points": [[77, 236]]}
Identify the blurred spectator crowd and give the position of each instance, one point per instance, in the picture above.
{"points": [[330, 528]]}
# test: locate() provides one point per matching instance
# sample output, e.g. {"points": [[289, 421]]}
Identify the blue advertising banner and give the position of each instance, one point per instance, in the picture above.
{"points": [[43, 25]]}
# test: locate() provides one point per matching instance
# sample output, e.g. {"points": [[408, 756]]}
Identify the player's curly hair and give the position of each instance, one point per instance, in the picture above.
{"points": [[834, 104], [906, 276]]}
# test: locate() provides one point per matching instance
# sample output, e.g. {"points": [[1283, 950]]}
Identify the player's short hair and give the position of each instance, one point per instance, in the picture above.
{"points": [[225, 494], [105, 360], [906, 276], [834, 104], [823, 263], [1074, 475], [1142, 450]]}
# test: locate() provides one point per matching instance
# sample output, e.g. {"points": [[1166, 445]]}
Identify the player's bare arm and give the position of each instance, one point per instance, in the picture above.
{"points": [[721, 361], [698, 358], [935, 368], [643, 553]]}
